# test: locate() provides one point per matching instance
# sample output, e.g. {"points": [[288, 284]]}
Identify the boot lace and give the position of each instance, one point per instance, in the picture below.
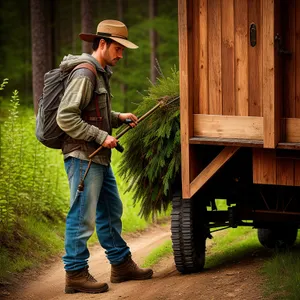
{"points": [[89, 277], [133, 265]]}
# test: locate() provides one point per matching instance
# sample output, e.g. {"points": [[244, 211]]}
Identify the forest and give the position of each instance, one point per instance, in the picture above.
{"points": [[35, 35]]}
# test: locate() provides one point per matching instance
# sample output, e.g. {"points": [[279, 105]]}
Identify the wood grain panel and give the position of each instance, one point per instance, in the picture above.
{"points": [[185, 95], [196, 55], [288, 43], [238, 127], [214, 63], [256, 165], [255, 61], [228, 72], [278, 72], [297, 60], [264, 166], [271, 136], [241, 56], [268, 166], [292, 130], [203, 96], [285, 171], [297, 173]]}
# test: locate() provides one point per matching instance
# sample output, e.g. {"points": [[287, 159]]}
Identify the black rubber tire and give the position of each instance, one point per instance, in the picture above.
{"points": [[188, 236], [278, 237]]}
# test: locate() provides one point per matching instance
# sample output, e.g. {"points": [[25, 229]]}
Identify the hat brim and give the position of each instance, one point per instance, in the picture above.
{"points": [[88, 37]]}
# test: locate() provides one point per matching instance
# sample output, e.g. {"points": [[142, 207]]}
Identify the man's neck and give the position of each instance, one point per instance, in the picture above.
{"points": [[100, 61]]}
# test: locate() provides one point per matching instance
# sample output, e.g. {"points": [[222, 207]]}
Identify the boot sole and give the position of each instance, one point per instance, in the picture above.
{"points": [[122, 279], [73, 290]]}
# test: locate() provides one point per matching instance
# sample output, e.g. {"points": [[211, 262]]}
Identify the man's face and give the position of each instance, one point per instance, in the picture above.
{"points": [[113, 53]]}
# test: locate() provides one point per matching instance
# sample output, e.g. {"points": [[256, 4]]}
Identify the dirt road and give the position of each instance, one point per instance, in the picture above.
{"points": [[234, 281]]}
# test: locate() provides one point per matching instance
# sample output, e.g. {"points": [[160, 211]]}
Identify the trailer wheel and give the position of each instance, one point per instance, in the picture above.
{"points": [[278, 237], [188, 236]]}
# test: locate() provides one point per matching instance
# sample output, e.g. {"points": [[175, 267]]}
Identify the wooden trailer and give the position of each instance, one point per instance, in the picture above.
{"points": [[240, 123]]}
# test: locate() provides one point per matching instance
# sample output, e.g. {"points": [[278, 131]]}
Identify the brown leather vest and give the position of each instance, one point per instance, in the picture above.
{"points": [[97, 113]]}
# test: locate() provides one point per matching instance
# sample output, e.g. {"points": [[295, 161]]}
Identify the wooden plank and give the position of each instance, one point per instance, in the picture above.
{"points": [[241, 56], [271, 134], [214, 63], [285, 171], [297, 60], [264, 166], [297, 173], [212, 168], [203, 96], [288, 14], [255, 61], [279, 63], [185, 94], [196, 55], [268, 166], [256, 165], [291, 146], [227, 142], [228, 127], [228, 72], [292, 130]]}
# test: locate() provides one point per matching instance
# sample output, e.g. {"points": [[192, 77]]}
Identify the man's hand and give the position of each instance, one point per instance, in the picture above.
{"points": [[110, 142], [124, 116]]}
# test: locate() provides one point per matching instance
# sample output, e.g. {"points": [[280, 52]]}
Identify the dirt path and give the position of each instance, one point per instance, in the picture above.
{"points": [[234, 281]]}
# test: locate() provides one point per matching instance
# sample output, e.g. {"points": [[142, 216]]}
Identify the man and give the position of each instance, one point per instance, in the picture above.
{"points": [[86, 117]]}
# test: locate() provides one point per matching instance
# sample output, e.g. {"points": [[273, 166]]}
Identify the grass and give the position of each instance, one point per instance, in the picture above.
{"points": [[283, 274], [230, 245], [31, 244], [157, 254]]}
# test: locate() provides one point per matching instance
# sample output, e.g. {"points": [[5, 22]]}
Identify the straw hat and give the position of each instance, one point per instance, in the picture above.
{"points": [[112, 29]]}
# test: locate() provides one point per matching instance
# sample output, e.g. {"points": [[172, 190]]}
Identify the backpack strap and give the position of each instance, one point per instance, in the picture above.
{"points": [[86, 66], [92, 69]]}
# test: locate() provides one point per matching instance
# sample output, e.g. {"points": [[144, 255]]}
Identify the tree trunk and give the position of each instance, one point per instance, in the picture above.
{"points": [[153, 41], [40, 48], [123, 86], [86, 23]]}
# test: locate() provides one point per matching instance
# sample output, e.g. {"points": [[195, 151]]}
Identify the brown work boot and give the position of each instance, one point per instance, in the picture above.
{"points": [[128, 270], [82, 281]]}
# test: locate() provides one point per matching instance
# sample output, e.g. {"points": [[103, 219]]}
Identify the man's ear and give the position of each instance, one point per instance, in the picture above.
{"points": [[102, 44]]}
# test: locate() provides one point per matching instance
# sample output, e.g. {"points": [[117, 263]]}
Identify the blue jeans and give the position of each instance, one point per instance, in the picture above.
{"points": [[98, 204]]}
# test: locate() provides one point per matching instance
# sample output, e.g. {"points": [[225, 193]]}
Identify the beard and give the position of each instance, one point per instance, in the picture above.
{"points": [[113, 62]]}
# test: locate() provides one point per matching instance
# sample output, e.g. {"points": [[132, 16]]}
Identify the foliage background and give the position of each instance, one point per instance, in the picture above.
{"points": [[65, 21], [34, 196]]}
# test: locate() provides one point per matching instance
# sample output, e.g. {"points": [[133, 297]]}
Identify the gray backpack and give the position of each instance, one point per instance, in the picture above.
{"points": [[47, 130]]}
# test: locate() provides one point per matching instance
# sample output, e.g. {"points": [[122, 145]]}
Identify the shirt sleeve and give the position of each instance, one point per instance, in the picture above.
{"points": [[115, 121], [76, 98]]}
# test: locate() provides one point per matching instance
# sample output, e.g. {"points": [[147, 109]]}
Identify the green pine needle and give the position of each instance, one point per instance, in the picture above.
{"points": [[150, 164]]}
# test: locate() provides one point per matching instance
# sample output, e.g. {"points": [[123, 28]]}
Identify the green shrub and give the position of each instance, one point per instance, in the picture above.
{"points": [[32, 178]]}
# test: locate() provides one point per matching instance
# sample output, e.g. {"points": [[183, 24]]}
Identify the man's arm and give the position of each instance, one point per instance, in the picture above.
{"points": [[118, 119], [123, 116]]}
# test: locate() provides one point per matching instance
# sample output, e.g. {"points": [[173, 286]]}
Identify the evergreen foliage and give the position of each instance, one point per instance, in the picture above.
{"points": [[150, 164], [65, 21]]}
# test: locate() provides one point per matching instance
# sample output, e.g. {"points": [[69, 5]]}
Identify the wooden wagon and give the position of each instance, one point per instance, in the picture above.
{"points": [[240, 123]]}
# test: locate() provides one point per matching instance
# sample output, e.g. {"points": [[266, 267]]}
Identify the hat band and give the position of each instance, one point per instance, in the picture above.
{"points": [[105, 34]]}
